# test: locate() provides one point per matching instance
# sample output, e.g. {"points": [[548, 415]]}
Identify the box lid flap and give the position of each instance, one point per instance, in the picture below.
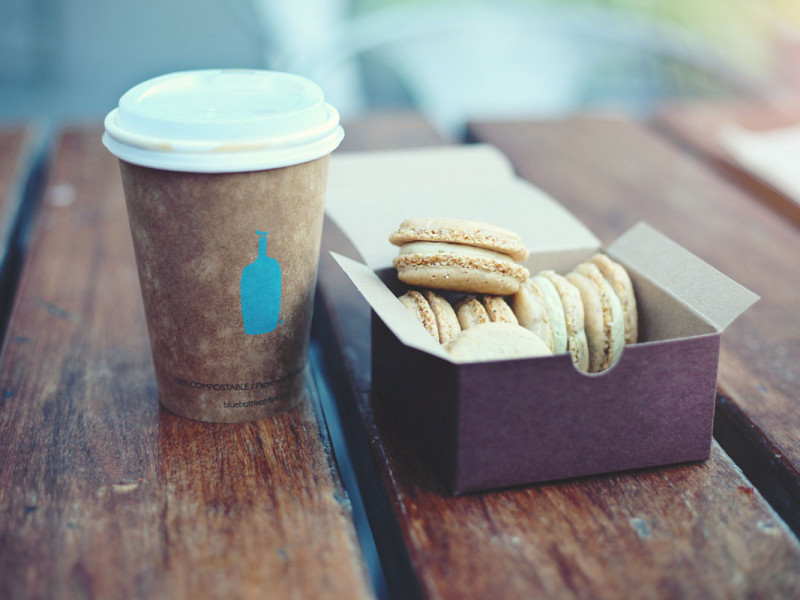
{"points": [[365, 172], [396, 317], [368, 201], [714, 296]]}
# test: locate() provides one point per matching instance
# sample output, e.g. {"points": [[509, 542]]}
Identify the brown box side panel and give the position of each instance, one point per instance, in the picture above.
{"points": [[422, 392], [540, 420]]}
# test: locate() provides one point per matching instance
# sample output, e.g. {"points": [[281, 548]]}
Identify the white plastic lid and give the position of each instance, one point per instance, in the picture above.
{"points": [[229, 120]]}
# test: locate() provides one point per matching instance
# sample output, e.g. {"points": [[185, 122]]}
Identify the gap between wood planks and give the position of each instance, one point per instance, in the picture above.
{"points": [[21, 200]]}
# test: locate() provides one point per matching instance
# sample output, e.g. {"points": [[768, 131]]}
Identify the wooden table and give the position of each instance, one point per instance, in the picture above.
{"points": [[696, 127], [759, 410], [104, 494]]}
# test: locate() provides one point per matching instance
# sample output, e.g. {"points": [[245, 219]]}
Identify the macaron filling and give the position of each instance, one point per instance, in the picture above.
{"points": [[613, 320], [470, 312], [446, 320], [499, 311], [621, 283], [594, 320], [416, 303], [464, 268]]}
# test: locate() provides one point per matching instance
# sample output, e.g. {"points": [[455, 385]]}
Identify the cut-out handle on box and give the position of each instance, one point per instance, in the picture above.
{"points": [[711, 294]]}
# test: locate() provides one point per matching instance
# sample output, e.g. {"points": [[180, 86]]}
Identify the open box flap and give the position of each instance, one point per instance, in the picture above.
{"points": [[367, 206], [396, 317], [714, 296], [359, 173]]}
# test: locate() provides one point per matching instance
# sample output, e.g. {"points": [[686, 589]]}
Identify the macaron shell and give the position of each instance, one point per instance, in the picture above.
{"points": [[613, 315], [460, 268], [617, 336], [496, 341], [579, 348], [461, 231], [416, 303], [573, 313], [470, 312], [621, 282], [469, 280], [529, 306], [446, 319], [555, 312], [498, 310], [594, 321]]}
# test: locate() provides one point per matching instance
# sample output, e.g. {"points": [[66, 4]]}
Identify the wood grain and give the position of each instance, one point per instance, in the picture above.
{"points": [[628, 174], [696, 127], [17, 157], [386, 131], [343, 329], [14, 153], [103, 494], [697, 530]]}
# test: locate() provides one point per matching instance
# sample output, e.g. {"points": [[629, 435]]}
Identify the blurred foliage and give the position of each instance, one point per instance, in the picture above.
{"points": [[745, 30]]}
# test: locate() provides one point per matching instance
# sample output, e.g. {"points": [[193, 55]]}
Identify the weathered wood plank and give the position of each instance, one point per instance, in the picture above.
{"points": [[386, 131], [17, 162], [343, 329], [696, 530], [696, 126], [14, 154], [103, 494], [628, 174]]}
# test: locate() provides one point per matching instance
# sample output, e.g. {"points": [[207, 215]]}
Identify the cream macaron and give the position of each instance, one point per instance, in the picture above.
{"points": [[621, 283], [459, 255], [461, 231], [496, 341], [603, 319], [555, 312], [498, 310], [570, 297], [454, 267], [529, 306], [446, 320], [471, 312], [418, 306]]}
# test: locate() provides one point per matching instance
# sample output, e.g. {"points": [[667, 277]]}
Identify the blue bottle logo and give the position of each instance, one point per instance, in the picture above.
{"points": [[260, 291]]}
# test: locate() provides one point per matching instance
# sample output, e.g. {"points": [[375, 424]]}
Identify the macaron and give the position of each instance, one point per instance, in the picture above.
{"points": [[529, 307], [463, 232], [446, 320], [470, 312], [418, 306], [496, 341], [577, 344], [621, 283], [498, 310], [555, 312], [603, 320], [448, 266], [613, 314]]}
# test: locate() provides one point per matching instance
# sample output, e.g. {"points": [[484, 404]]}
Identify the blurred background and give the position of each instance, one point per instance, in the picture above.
{"points": [[452, 60]]}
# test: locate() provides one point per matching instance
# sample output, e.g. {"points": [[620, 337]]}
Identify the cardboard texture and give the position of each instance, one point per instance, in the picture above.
{"points": [[228, 306], [494, 424], [472, 182]]}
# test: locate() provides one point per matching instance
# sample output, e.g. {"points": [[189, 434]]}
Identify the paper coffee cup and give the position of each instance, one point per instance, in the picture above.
{"points": [[224, 175]]}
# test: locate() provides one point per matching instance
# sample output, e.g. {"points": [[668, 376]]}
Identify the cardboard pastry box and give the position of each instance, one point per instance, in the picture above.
{"points": [[510, 422]]}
